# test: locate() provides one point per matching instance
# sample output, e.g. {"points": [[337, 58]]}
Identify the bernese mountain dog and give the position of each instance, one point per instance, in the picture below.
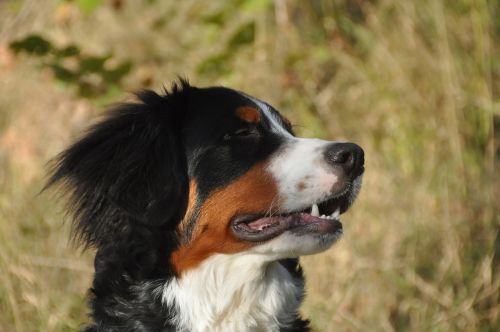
{"points": [[198, 202]]}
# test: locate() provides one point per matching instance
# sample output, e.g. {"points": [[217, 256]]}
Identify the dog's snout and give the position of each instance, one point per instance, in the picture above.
{"points": [[349, 156]]}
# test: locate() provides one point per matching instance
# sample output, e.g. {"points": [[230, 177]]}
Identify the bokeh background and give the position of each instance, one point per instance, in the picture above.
{"points": [[416, 83]]}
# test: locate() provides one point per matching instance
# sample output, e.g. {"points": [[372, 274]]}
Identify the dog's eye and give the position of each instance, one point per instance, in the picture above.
{"points": [[242, 133]]}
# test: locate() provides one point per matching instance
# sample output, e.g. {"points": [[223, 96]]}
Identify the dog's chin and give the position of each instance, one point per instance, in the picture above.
{"points": [[291, 245]]}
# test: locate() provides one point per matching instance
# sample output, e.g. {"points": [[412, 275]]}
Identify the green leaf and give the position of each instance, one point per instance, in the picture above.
{"points": [[93, 64], [32, 44], [217, 18], [115, 75], [63, 74], [244, 35], [68, 51], [88, 6]]}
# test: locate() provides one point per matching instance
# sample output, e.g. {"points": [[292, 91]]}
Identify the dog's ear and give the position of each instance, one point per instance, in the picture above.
{"points": [[129, 169]]}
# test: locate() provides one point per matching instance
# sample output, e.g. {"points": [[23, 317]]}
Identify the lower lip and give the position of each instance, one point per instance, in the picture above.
{"points": [[319, 224]]}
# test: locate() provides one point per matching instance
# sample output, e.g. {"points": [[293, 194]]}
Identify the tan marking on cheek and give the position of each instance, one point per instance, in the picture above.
{"points": [[254, 192], [248, 114], [191, 204], [301, 186]]}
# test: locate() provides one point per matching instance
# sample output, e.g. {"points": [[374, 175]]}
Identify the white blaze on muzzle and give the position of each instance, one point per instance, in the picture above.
{"points": [[302, 174]]}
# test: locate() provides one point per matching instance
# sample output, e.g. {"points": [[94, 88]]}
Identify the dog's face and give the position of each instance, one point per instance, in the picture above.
{"points": [[254, 187], [197, 172]]}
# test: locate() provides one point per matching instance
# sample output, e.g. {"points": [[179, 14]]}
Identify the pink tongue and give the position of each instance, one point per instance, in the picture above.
{"points": [[261, 223]]}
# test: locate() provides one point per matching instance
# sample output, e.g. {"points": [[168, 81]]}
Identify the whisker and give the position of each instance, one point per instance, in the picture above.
{"points": [[269, 212]]}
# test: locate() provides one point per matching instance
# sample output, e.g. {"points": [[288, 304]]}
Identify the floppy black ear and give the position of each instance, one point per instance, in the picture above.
{"points": [[129, 169]]}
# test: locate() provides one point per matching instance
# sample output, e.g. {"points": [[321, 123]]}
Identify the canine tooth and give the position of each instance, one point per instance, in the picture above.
{"points": [[315, 210], [336, 214]]}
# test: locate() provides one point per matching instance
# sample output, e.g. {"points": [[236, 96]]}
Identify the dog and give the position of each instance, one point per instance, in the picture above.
{"points": [[198, 202]]}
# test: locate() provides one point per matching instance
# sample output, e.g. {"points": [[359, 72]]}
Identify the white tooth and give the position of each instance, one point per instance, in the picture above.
{"points": [[315, 210], [336, 214]]}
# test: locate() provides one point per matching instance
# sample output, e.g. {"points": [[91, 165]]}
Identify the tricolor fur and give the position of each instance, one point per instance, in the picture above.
{"points": [[199, 203]]}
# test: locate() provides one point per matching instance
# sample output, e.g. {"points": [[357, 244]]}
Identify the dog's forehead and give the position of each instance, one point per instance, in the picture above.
{"points": [[216, 106]]}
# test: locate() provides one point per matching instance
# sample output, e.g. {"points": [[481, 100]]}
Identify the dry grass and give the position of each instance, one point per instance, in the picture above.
{"points": [[415, 83]]}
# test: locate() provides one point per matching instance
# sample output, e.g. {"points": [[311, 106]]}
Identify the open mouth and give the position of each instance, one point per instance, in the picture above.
{"points": [[320, 218]]}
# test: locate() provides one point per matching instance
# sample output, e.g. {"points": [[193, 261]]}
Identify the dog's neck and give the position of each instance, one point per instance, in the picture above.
{"points": [[240, 292]]}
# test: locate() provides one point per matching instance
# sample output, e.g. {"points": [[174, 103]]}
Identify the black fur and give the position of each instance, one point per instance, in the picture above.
{"points": [[127, 179]]}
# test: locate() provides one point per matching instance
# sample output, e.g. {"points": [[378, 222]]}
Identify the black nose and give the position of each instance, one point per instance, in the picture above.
{"points": [[349, 156]]}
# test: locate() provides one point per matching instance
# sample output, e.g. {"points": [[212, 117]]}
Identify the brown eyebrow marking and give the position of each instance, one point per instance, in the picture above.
{"points": [[248, 114]]}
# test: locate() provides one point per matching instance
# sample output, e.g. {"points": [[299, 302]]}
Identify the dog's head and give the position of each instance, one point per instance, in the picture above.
{"points": [[216, 171]]}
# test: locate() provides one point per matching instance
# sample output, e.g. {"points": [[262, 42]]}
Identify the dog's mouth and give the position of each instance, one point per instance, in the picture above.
{"points": [[320, 218]]}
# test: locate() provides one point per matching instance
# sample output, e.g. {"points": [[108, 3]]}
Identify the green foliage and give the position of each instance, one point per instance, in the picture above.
{"points": [[243, 36], [91, 76], [32, 44], [216, 65], [68, 51], [88, 6], [220, 64]]}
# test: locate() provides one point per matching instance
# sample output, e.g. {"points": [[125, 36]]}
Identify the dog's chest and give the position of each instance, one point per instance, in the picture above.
{"points": [[234, 294]]}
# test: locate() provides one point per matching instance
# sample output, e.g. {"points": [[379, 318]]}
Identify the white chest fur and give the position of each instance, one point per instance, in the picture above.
{"points": [[240, 292]]}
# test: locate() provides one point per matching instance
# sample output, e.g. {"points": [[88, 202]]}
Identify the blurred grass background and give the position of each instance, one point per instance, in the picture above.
{"points": [[416, 83]]}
